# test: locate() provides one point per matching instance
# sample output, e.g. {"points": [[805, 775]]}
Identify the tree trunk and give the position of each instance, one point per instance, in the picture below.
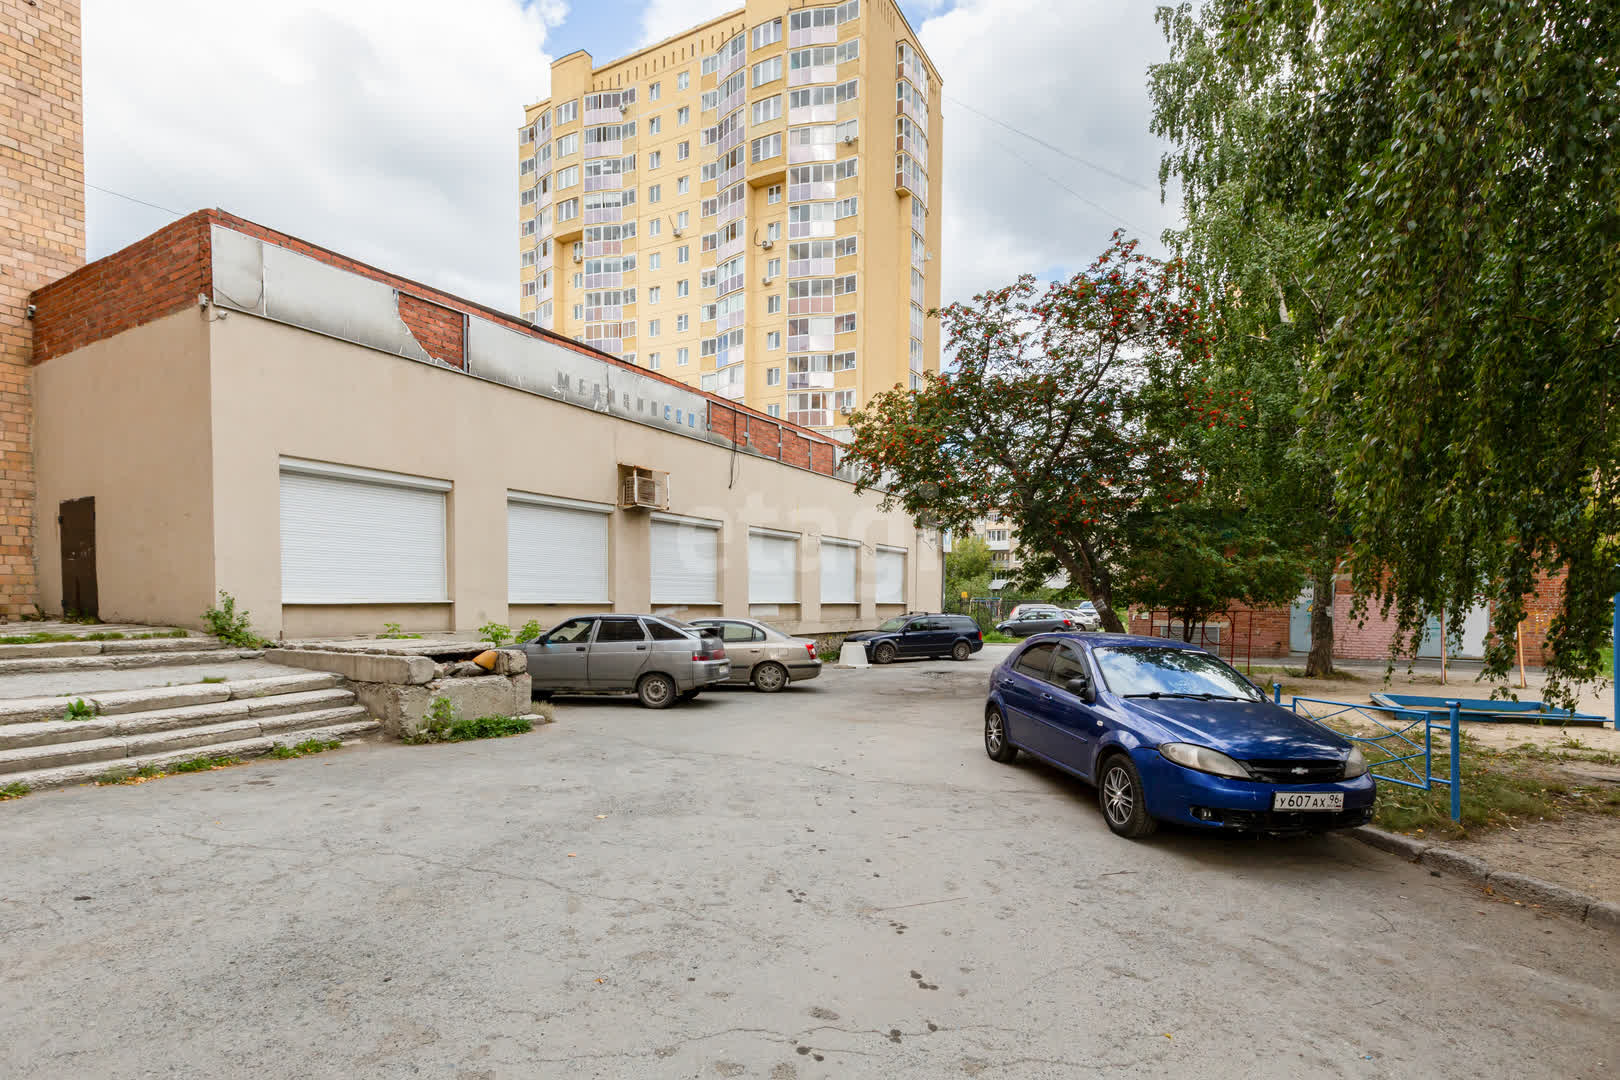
{"points": [[1319, 663], [1099, 591]]}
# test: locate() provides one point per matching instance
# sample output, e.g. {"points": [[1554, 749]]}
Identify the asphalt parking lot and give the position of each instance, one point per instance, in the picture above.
{"points": [[829, 882]]}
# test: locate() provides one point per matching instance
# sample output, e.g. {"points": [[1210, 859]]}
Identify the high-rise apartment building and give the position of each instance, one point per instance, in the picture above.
{"points": [[751, 207]]}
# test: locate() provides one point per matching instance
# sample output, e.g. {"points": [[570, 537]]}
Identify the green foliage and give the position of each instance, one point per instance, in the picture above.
{"points": [[444, 723], [125, 776], [529, 631], [1194, 560], [233, 628], [204, 764], [302, 749], [967, 570], [212, 679], [72, 616], [15, 790], [1046, 419], [1459, 170], [79, 709], [495, 633], [392, 630]]}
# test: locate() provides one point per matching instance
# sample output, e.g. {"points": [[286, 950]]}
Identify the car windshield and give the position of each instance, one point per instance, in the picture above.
{"points": [[1156, 671], [893, 624]]}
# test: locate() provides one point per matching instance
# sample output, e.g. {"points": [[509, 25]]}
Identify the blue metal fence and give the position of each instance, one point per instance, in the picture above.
{"points": [[1404, 736]]}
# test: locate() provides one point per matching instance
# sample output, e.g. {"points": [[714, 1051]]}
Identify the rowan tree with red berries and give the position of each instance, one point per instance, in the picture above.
{"points": [[1053, 418]]}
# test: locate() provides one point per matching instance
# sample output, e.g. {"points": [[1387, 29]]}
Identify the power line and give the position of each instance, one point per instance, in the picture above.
{"points": [[1054, 180], [1055, 149], [133, 199]]}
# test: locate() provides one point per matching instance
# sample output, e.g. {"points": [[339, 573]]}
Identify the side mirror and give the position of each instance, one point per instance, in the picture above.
{"points": [[1080, 687]]}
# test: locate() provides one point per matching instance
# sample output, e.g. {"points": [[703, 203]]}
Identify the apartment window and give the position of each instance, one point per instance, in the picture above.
{"points": [[773, 194], [568, 177], [847, 132], [654, 295], [683, 253], [845, 400], [567, 112], [844, 324], [579, 312], [655, 226], [773, 376], [768, 147], [655, 125], [529, 288], [683, 219], [773, 340], [655, 91], [683, 185], [652, 361], [579, 281], [773, 305], [774, 411], [568, 208], [683, 323], [655, 159], [773, 231], [767, 71], [846, 208], [767, 33], [527, 259], [655, 193], [655, 260], [773, 267], [568, 144], [682, 356], [849, 50], [846, 246], [654, 326], [683, 80], [683, 150]]}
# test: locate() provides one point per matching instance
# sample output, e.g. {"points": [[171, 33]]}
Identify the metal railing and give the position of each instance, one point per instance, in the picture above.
{"points": [[1404, 736]]}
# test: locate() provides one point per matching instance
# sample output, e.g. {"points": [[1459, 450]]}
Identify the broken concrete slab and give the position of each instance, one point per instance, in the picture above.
{"points": [[361, 667]]}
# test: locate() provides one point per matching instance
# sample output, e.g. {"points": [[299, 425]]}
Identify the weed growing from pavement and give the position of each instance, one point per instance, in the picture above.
{"points": [[528, 631], [303, 749], [233, 628], [496, 633], [204, 764], [443, 723], [392, 630], [14, 791], [79, 709], [212, 679]]}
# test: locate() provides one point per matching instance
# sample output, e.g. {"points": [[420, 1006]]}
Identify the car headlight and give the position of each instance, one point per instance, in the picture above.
{"points": [[1203, 759], [1355, 765]]}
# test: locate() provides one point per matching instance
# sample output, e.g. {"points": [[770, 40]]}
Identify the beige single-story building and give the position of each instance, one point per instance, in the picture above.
{"points": [[223, 407]]}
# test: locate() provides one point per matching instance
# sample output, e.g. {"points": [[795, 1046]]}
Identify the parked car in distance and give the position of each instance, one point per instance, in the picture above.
{"points": [[1085, 616], [1022, 609], [659, 660], [1037, 621], [1167, 732], [762, 655], [921, 634]]}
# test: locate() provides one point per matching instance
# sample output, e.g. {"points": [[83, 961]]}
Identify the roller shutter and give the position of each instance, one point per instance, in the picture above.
{"points": [[360, 536], [685, 560], [556, 551], [773, 567], [891, 575], [838, 559]]}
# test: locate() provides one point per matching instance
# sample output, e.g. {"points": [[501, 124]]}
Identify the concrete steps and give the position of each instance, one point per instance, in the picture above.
{"points": [[39, 747], [125, 655]]}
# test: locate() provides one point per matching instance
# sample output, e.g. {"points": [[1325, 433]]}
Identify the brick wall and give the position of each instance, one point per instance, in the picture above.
{"points": [[438, 329], [1255, 632], [41, 238], [770, 437]]}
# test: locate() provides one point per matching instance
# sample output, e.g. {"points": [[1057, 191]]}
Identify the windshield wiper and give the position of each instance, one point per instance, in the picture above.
{"points": [[1199, 697]]}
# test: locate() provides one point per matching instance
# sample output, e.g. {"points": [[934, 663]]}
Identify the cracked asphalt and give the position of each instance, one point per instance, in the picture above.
{"points": [[831, 882]]}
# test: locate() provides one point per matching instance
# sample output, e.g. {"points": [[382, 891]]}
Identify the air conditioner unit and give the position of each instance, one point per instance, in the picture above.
{"points": [[643, 489], [676, 233], [766, 245], [848, 139], [846, 410]]}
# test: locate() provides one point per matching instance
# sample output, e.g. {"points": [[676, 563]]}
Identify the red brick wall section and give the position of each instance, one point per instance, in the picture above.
{"points": [[151, 278], [1259, 632], [41, 238], [767, 436], [438, 329]]}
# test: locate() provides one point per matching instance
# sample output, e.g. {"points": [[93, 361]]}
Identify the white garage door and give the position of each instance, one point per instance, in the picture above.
{"points": [[773, 567], [838, 559], [556, 550], [685, 560], [891, 575], [360, 536]]}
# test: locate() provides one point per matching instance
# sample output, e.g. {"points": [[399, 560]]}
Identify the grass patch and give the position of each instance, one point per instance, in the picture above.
{"points": [[153, 772], [204, 764], [444, 723], [129, 776], [79, 709], [391, 630], [1500, 787], [14, 791], [996, 637], [303, 749]]}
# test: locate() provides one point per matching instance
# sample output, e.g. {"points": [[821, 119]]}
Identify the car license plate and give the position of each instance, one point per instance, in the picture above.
{"points": [[1307, 800]]}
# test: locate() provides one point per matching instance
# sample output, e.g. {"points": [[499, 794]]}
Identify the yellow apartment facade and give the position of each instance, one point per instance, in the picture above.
{"points": [[751, 207]]}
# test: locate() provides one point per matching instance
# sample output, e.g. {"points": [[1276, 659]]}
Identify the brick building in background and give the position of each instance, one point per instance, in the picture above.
{"points": [[41, 239]]}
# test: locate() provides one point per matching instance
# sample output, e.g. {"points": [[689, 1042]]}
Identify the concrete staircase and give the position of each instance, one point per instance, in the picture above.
{"points": [[160, 725], [111, 648]]}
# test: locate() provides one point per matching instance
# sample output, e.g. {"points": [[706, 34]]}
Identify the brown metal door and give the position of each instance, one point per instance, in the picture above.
{"points": [[77, 522]]}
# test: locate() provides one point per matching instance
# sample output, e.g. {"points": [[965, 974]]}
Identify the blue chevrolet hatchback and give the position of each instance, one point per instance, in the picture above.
{"points": [[1168, 732]]}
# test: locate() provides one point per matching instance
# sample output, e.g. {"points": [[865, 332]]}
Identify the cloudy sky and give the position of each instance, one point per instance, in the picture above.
{"points": [[386, 128]]}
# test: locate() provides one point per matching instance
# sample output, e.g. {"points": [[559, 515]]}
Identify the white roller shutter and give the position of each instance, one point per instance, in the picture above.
{"points": [[556, 550], [685, 560], [891, 575], [359, 536], [773, 567], [838, 558]]}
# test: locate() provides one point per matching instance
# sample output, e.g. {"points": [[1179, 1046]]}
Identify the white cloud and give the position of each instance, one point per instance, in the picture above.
{"points": [[666, 18], [1073, 74], [383, 128]]}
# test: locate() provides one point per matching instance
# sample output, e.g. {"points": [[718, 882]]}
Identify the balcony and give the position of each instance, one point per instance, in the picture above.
{"points": [[607, 182], [811, 417], [809, 268], [809, 380], [810, 305], [605, 214]]}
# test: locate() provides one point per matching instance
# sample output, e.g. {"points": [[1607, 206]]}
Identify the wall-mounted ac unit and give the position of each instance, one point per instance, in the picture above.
{"points": [[643, 489], [766, 245]]}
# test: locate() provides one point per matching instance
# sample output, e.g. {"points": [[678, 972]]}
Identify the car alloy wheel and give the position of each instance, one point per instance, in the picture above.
{"points": [[961, 651], [1120, 793], [656, 691], [996, 743], [883, 654], [769, 678]]}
